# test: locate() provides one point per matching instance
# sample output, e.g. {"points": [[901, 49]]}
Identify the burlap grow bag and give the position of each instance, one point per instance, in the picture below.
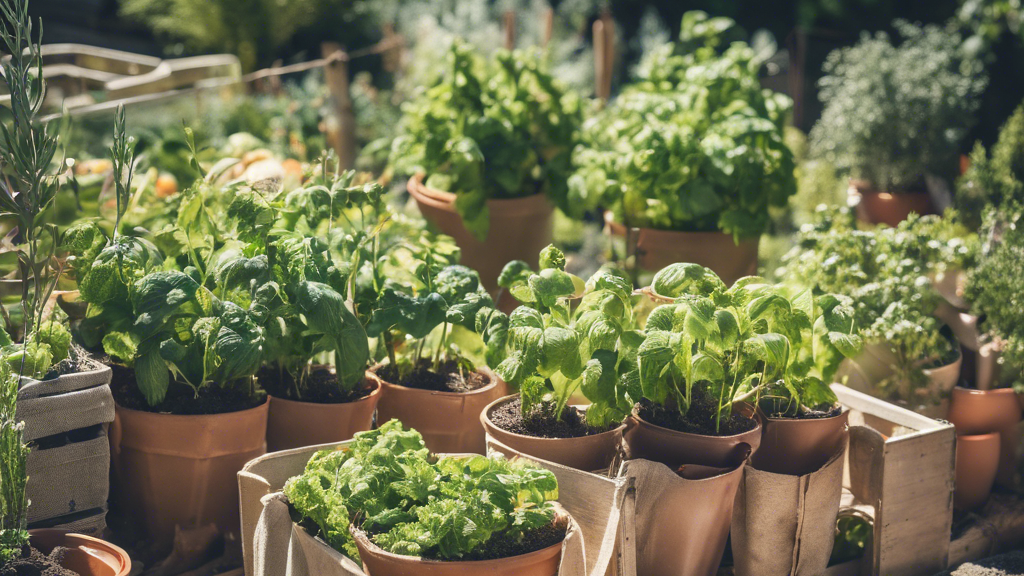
{"points": [[68, 473], [784, 525], [274, 545]]}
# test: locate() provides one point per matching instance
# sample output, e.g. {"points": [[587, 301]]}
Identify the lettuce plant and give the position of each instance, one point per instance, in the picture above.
{"points": [[694, 145], [491, 129], [752, 341], [412, 503], [553, 349]]}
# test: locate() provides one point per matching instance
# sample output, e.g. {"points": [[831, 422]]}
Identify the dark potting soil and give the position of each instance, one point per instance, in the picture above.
{"points": [[35, 563], [450, 377], [502, 545], [321, 386], [803, 414], [181, 398], [699, 419], [541, 424]]}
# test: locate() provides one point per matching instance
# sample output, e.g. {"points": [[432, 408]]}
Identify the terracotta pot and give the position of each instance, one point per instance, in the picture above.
{"points": [[173, 470], [448, 421], [799, 446], [377, 562], [675, 449], [657, 249], [878, 207], [588, 453], [293, 424], [86, 555], [977, 459], [519, 229], [975, 412]]}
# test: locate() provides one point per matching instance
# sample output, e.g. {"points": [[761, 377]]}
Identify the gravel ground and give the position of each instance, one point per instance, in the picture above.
{"points": [[1011, 564]]}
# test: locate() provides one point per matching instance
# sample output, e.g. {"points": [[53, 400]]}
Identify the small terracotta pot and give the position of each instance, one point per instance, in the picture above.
{"points": [[377, 562], [293, 424], [977, 459], [675, 449], [173, 470], [448, 421], [975, 412], [878, 207], [657, 249], [519, 229], [86, 555], [588, 453], [799, 446]]}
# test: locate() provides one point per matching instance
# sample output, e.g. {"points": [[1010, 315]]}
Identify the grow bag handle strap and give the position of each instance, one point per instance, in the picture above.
{"points": [[273, 537]]}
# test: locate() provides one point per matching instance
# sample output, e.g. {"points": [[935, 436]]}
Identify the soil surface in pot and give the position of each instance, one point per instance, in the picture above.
{"points": [[450, 378], [501, 545], [805, 414], [699, 419], [181, 399], [540, 424], [321, 387], [35, 563]]}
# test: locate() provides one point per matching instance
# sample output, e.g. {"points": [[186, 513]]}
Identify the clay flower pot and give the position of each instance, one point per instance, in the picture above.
{"points": [[975, 412], [977, 460], [293, 424], [588, 453], [377, 562], [797, 446], [656, 249], [448, 421], [675, 449], [85, 555], [182, 470], [519, 229], [877, 207]]}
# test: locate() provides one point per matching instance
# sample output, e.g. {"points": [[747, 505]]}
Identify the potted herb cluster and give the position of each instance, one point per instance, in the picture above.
{"points": [[895, 116], [386, 502], [555, 348], [489, 149], [689, 159]]}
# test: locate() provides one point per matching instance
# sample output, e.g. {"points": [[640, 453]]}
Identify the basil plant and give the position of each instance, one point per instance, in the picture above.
{"points": [[753, 341], [554, 350]]}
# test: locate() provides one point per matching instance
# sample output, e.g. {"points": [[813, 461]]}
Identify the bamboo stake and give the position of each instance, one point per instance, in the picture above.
{"points": [[510, 29], [336, 74], [609, 51], [548, 26], [599, 59]]}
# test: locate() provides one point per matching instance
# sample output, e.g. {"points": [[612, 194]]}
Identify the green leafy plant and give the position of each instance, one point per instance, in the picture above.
{"points": [[896, 114], [554, 349], [409, 502], [753, 341], [997, 179], [13, 474], [695, 145], [491, 129]]}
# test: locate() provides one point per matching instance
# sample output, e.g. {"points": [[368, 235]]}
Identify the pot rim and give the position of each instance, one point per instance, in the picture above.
{"points": [[485, 419], [977, 437], [978, 392], [844, 411], [262, 407], [114, 549], [866, 187], [491, 376], [619, 229], [635, 414], [361, 537], [446, 200], [373, 393]]}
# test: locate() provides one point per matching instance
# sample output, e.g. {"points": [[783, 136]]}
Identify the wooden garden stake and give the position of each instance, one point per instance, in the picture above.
{"points": [[510, 29], [599, 66], [343, 140], [548, 26]]}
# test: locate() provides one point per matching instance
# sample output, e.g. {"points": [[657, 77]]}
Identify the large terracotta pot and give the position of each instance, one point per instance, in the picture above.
{"points": [[878, 207], [977, 459], [448, 421], [377, 562], [175, 470], [85, 555], [975, 412], [675, 449], [519, 229], [799, 446], [589, 453], [656, 249], [293, 424]]}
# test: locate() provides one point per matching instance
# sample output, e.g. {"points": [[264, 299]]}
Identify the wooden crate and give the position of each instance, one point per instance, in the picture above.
{"points": [[900, 471]]}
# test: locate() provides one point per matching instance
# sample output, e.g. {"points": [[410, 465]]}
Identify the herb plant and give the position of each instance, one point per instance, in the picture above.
{"points": [[491, 129], [695, 145], [13, 474], [411, 503], [896, 114], [994, 180]]}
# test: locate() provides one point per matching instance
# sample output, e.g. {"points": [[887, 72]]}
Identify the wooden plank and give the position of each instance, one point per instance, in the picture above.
{"points": [[881, 409]]}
